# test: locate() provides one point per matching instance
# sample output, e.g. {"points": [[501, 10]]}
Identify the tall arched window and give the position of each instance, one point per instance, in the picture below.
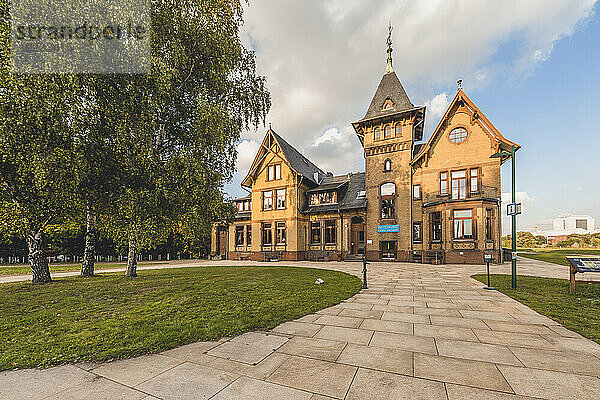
{"points": [[387, 131], [398, 129], [387, 165], [387, 192], [376, 133]]}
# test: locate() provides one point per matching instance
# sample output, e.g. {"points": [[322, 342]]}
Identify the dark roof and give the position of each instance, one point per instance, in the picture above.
{"points": [[389, 87], [243, 214], [417, 147], [298, 162], [328, 186], [349, 185]]}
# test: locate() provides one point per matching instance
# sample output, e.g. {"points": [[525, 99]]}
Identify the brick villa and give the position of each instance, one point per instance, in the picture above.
{"points": [[436, 202]]}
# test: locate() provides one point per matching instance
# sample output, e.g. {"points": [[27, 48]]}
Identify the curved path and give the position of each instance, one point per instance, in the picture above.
{"points": [[419, 331]]}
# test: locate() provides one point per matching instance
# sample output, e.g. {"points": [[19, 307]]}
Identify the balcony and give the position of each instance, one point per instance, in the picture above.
{"points": [[484, 193]]}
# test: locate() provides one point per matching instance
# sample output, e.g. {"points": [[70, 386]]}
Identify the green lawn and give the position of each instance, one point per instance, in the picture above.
{"points": [[579, 312], [111, 317], [557, 256], [24, 269]]}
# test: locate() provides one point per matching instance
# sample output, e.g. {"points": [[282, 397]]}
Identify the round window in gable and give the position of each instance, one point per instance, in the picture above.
{"points": [[458, 135]]}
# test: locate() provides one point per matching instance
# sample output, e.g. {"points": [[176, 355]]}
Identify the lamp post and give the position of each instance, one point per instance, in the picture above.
{"points": [[511, 155]]}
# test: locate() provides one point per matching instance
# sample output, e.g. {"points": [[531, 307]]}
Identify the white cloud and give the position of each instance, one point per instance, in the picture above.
{"points": [[246, 150], [323, 60], [522, 197], [336, 150], [436, 107]]}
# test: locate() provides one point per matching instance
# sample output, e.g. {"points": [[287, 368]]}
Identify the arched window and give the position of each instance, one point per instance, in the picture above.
{"points": [[387, 131], [376, 133], [398, 129], [387, 165], [457, 135], [387, 193]]}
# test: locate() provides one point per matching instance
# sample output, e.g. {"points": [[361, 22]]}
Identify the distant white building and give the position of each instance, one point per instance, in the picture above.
{"points": [[565, 225]]}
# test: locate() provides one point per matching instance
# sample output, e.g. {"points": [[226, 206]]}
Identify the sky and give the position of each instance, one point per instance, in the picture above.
{"points": [[531, 66]]}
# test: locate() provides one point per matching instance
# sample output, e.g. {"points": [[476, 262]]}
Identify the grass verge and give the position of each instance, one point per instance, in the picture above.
{"points": [[25, 269], [557, 256], [579, 312], [113, 317]]}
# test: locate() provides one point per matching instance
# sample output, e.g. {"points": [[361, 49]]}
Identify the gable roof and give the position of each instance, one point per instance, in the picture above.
{"points": [[293, 158], [477, 114], [389, 88]]}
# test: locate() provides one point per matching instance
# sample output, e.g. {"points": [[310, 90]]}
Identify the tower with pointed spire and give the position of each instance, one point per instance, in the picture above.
{"points": [[389, 132]]}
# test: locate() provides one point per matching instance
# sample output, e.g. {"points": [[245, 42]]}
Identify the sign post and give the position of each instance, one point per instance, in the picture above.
{"points": [[513, 209], [487, 258]]}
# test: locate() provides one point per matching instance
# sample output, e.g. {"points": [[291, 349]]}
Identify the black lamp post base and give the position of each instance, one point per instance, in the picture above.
{"points": [[489, 288]]}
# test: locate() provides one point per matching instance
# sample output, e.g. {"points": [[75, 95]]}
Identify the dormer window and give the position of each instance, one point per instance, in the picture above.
{"points": [[323, 198], [361, 194], [387, 165]]}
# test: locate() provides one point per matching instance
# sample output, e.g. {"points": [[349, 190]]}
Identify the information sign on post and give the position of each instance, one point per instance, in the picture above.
{"points": [[513, 208]]}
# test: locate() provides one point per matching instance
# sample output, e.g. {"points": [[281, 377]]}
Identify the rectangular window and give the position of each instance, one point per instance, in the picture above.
{"points": [[248, 235], [315, 232], [270, 172], [268, 200], [277, 171], [463, 224], [443, 183], [330, 232], [267, 234], [416, 191], [436, 226], [280, 232], [489, 214], [475, 180], [247, 205], [239, 235], [280, 198], [417, 232], [459, 184], [240, 206], [387, 207]]}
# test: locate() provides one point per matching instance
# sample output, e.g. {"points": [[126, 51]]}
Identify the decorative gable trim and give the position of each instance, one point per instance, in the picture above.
{"points": [[477, 117]]}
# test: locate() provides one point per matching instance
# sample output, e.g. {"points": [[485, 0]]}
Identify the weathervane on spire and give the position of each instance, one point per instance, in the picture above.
{"points": [[389, 68]]}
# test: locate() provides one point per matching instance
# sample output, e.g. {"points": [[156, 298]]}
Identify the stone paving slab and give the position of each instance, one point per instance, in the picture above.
{"points": [[136, 370], [245, 388], [460, 371], [369, 384], [33, 384], [321, 377], [187, 381], [249, 348]]}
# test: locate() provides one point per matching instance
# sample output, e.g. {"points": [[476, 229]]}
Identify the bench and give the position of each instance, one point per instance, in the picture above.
{"points": [[582, 264], [273, 255]]}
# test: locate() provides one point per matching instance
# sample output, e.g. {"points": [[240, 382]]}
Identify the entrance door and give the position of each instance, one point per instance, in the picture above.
{"points": [[357, 236], [388, 249], [222, 236]]}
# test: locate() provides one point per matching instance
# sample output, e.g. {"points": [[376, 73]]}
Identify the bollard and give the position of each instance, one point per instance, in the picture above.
{"points": [[364, 273], [488, 258]]}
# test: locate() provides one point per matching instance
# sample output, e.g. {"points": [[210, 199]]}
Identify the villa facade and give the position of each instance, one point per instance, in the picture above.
{"points": [[436, 201]]}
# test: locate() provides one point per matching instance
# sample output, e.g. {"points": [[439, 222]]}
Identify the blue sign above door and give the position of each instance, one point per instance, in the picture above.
{"points": [[388, 228]]}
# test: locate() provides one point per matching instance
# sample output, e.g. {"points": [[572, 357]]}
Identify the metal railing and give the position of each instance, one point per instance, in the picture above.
{"points": [[483, 192]]}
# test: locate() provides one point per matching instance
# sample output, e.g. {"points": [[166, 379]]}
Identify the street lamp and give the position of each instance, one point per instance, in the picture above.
{"points": [[501, 155]]}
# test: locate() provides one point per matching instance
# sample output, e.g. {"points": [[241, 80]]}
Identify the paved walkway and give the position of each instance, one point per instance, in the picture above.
{"points": [[418, 332]]}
